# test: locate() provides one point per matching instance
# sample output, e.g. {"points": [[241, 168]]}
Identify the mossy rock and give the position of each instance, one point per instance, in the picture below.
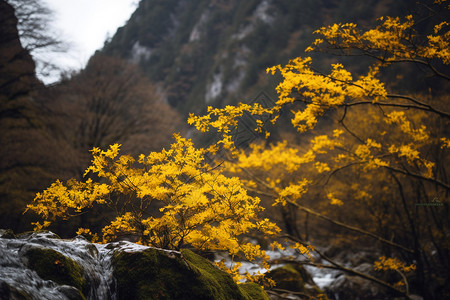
{"points": [[52, 265], [293, 277], [157, 274], [289, 277], [253, 291]]}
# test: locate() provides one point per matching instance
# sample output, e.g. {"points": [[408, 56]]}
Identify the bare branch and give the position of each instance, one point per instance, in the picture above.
{"points": [[349, 227], [419, 176]]}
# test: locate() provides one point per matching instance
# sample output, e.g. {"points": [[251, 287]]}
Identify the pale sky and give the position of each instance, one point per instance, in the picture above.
{"points": [[84, 25]]}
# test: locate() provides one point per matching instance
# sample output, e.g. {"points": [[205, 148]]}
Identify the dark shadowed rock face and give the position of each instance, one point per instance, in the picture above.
{"points": [[40, 265], [17, 68], [25, 159]]}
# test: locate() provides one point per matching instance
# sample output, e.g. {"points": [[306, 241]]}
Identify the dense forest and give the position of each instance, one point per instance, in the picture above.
{"points": [[318, 129]]}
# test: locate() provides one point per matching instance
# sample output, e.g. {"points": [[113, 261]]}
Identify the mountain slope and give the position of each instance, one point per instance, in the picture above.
{"points": [[216, 52]]}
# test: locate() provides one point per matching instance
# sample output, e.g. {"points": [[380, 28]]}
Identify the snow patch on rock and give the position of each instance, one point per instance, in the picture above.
{"points": [[198, 29], [214, 89], [262, 13], [140, 52]]}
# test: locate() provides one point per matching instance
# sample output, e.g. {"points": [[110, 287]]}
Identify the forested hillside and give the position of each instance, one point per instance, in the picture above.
{"points": [[262, 133]]}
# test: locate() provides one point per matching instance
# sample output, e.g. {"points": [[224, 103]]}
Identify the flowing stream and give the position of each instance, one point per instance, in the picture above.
{"points": [[95, 259]]}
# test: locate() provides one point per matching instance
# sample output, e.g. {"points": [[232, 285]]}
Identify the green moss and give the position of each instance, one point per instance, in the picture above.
{"points": [[154, 274], [146, 275], [52, 265], [253, 291], [288, 278], [293, 277], [217, 281]]}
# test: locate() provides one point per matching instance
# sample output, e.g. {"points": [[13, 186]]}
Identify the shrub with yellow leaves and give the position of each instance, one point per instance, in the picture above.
{"points": [[199, 206]]}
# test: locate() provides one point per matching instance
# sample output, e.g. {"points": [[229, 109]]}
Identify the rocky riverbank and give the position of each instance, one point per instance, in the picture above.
{"points": [[40, 265]]}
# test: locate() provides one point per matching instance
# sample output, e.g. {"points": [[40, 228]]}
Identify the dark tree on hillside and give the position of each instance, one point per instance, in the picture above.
{"points": [[110, 101]]}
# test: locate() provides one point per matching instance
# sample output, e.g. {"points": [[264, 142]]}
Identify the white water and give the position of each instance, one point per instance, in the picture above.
{"points": [[322, 277], [95, 259]]}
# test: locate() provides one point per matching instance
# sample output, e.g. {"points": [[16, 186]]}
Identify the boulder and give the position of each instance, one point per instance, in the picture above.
{"points": [[159, 274], [354, 287], [292, 279], [51, 265]]}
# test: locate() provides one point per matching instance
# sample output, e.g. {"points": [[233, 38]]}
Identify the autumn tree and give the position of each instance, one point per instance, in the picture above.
{"points": [[376, 163]]}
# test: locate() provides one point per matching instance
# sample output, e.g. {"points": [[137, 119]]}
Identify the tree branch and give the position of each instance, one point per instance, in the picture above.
{"points": [[418, 176], [421, 106], [349, 227]]}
